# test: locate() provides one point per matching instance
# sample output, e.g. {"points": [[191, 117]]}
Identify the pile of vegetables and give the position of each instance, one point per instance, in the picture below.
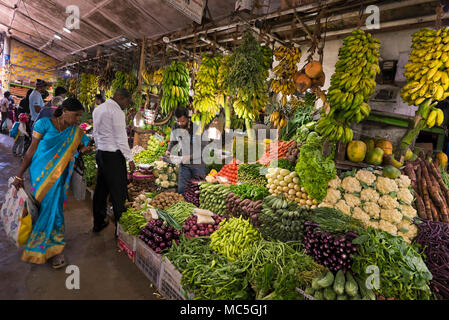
{"points": [[282, 220], [276, 150], [434, 238], [135, 188], [403, 273], [313, 168], [180, 211], [331, 251], [213, 197], [90, 171], [166, 199], [303, 132], [159, 236], [275, 269], [379, 202], [156, 148], [193, 229], [247, 191], [292, 155], [284, 182], [166, 174], [248, 209], [233, 238], [339, 287], [432, 194], [132, 221], [206, 274], [192, 190], [229, 171], [251, 174], [283, 164]]}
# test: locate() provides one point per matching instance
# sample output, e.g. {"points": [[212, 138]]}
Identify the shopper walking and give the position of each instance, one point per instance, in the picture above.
{"points": [[36, 100], [4, 107], [113, 150], [49, 109], [21, 137], [60, 93], [24, 104], [51, 157], [193, 163]]}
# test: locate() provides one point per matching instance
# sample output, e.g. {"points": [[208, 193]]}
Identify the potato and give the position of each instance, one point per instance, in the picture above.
{"points": [[309, 202], [304, 196], [285, 189], [303, 189], [298, 194], [302, 202], [297, 187], [314, 202], [291, 185], [291, 192], [313, 207], [283, 183], [309, 197]]}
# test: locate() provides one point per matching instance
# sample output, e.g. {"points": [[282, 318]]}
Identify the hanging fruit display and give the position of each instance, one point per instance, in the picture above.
{"points": [[88, 88], [351, 85], [72, 86], [175, 87], [158, 76], [288, 58], [245, 79], [207, 101]]}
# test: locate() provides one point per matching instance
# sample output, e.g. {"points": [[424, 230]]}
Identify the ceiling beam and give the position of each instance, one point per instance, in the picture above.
{"points": [[96, 8], [147, 14], [97, 44]]}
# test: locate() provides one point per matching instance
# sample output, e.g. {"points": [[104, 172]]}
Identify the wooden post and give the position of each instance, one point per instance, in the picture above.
{"points": [[141, 66]]}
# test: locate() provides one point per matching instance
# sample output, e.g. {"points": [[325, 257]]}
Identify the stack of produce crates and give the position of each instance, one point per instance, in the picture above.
{"points": [[126, 243], [149, 262]]}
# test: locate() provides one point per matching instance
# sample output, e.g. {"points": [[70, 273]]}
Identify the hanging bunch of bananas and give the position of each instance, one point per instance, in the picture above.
{"points": [[130, 82], [158, 76], [283, 83], [351, 86], [427, 72], [267, 57], [88, 88], [119, 80], [247, 106], [147, 77], [436, 117], [207, 101], [72, 86], [278, 119], [192, 66], [175, 87]]}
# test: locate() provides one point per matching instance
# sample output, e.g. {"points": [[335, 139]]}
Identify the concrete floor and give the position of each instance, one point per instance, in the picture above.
{"points": [[105, 271]]}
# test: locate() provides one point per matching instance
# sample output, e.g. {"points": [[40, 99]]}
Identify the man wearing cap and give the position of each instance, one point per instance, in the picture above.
{"points": [[36, 101], [113, 150]]}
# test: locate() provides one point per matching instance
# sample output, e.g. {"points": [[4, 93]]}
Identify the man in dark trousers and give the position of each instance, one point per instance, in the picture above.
{"points": [[111, 139]]}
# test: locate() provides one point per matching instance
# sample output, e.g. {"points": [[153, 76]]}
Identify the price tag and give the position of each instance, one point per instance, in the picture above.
{"points": [[154, 214]]}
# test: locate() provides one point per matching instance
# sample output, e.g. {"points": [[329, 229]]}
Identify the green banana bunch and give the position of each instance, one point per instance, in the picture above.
{"points": [[207, 99], [427, 72], [351, 86], [119, 81], [247, 107], [175, 86], [88, 87]]}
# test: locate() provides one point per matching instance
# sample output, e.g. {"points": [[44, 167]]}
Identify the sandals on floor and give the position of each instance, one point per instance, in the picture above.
{"points": [[58, 261]]}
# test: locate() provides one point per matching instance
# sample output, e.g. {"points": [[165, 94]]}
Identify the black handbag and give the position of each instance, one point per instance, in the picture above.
{"points": [[78, 181]]}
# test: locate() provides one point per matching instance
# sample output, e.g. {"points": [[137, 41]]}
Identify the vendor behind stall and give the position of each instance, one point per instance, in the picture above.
{"points": [[192, 163]]}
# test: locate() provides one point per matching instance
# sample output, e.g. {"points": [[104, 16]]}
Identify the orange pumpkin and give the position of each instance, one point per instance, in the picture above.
{"points": [[442, 159], [313, 69], [303, 82], [385, 145]]}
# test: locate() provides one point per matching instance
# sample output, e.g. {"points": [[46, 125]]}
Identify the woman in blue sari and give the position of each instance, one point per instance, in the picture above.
{"points": [[51, 156]]}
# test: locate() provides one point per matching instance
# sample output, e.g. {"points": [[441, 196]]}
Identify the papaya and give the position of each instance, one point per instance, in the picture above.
{"points": [[370, 144], [385, 145], [442, 159], [375, 156], [408, 155], [391, 172], [356, 151], [390, 160]]}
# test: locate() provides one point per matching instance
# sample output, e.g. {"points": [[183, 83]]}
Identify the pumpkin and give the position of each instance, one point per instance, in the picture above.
{"points": [[391, 172], [356, 151], [385, 145], [375, 156], [313, 69], [303, 82], [442, 159]]}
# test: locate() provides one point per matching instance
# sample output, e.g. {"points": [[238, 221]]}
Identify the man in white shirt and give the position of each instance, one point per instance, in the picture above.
{"points": [[36, 101], [111, 139], [4, 107]]}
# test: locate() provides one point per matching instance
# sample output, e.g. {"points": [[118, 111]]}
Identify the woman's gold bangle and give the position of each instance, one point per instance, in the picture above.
{"points": [[18, 178]]}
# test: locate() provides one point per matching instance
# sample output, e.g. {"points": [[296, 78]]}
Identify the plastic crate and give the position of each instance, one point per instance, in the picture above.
{"points": [[124, 247], [130, 241], [170, 284], [149, 262]]}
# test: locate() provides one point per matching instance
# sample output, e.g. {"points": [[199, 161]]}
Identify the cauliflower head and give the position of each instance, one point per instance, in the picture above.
{"points": [[163, 177], [369, 194], [404, 224], [373, 224], [165, 184], [332, 196], [343, 207], [372, 209], [351, 184], [386, 185], [359, 214], [366, 177], [408, 211], [335, 183], [391, 215], [403, 181], [352, 200], [405, 195], [325, 205], [388, 202], [388, 227]]}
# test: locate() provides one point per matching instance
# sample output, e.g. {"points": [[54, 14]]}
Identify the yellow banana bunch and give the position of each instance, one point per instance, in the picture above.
{"points": [[192, 66], [427, 72], [436, 117], [175, 87], [158, 76], [278, 120], [351, 86], [147, 77], [283, 83]]}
